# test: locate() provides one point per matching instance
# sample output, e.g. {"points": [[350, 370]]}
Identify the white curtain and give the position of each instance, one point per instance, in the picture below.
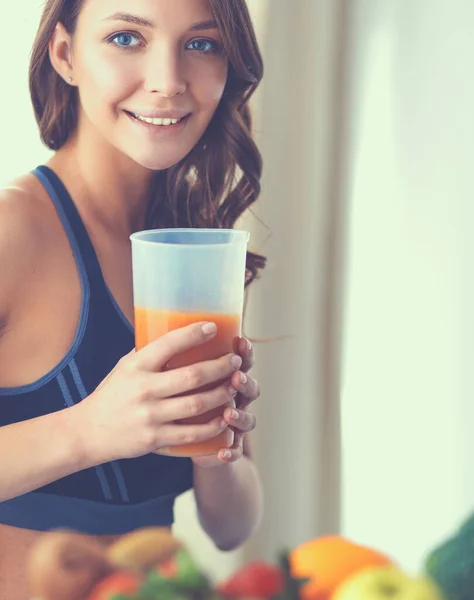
{"points": [[407, 377]]}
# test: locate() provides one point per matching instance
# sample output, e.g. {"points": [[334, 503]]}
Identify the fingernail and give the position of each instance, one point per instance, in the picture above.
{"points": [[236, 362], [243, 378], [224, 424], [232, 391], [235, 415], [209, 328], [249, 345], [226, 454]]}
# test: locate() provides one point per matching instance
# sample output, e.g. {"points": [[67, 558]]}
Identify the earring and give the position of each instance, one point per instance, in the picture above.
{"points": [[69, 79]]}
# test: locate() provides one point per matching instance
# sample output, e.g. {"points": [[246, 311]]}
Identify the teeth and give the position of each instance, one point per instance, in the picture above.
{"points": [[161, 122]]}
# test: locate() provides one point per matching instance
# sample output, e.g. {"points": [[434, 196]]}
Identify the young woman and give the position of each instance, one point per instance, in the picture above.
{"points": [[145, 103]]}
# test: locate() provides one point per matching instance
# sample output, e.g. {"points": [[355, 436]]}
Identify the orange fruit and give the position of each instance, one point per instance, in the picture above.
{"points": [[327, 561]]}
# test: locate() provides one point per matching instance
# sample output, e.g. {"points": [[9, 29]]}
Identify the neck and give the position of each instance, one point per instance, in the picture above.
{"points": [[108, 187]]}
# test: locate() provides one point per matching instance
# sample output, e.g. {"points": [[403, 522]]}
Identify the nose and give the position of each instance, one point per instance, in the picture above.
{"points": [[164, 73]]}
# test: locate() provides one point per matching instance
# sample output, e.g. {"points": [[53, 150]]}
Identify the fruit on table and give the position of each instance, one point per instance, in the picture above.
{"points": [[258, 579], [183, 571], [386, 583], [326, 561], [143, 548], [168, 568], [451, 564], [179, 578], [64, 565]]}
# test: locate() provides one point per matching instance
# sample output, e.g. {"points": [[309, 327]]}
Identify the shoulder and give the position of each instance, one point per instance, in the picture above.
{"points": [[22, 216], [22, 232]]}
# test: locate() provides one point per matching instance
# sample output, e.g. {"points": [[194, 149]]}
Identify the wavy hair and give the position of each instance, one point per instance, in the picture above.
{"points": [[220, 178]]}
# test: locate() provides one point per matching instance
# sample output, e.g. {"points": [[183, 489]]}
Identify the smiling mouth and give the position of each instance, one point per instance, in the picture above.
{"points": [[159, 122]]}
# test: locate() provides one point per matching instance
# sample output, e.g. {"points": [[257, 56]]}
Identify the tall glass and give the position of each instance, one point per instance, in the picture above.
{"points": [[184, 276]]}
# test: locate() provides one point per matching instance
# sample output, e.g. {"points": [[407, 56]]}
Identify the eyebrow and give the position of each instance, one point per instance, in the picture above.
{"points": [[136, 20], [129, 18], [204, 26]]}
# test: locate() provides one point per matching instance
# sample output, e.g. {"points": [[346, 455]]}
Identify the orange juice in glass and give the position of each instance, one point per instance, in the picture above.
{"points": [[184, 276]]}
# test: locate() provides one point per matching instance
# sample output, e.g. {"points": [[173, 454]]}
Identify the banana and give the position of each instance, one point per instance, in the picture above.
{"points": [[141, 549]]}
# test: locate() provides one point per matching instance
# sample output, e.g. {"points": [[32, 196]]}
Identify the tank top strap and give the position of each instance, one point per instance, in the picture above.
{"points": [[84, 252]]}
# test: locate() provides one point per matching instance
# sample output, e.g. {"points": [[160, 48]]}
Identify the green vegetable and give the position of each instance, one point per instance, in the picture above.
{"points": [[292, 585], [190, 575], [451, 564], [188, 583]]}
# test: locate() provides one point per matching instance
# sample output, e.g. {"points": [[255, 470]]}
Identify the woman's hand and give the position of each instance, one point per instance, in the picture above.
{"points": [[133, 410], [244, 389]]}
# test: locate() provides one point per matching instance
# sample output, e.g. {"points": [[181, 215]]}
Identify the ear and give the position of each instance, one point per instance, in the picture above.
{"points": [[60, 52]]}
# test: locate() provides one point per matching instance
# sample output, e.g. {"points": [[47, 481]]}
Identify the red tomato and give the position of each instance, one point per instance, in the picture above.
{"points": [[257, 579]]}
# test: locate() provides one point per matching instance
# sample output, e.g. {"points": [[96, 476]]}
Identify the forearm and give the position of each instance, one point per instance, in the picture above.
{"points": [[229, 500], [36, 452]]}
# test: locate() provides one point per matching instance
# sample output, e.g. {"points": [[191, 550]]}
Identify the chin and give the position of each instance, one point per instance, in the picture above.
{"points": [[155, 165], [158, 161]]}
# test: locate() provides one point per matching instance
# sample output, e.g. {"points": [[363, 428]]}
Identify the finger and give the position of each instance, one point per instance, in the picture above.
{"points": [[247, 387], [230, 455], [193, 405], [192, 377], [156, 354], [240, 420], [177, 435], [244, 348], [239, 438]]}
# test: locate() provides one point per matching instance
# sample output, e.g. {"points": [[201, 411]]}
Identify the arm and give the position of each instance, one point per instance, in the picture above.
{"points": [[30, 460], [228, 489], [230, 500]]}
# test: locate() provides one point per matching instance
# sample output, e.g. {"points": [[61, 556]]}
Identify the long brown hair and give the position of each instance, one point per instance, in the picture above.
{"points": [[220, 178]]}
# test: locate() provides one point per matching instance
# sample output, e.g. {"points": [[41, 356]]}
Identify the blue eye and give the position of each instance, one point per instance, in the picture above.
{"points": [[204, 46], [125, 40]]}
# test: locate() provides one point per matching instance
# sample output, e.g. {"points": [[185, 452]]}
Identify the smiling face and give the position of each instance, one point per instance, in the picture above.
{"points": [[150, 74]]}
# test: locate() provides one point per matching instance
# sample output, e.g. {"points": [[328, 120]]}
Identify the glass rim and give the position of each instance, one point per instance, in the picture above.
{"points": [[242, 235]]}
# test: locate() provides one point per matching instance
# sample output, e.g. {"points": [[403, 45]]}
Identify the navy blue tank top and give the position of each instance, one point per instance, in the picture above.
{"points": [[118, 496]]}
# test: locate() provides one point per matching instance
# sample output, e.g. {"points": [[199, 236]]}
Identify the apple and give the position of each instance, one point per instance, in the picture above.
{"points": [[386, 583]]}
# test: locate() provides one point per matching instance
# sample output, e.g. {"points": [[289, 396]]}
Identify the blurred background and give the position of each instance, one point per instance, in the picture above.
{"points": [[365, 121]]}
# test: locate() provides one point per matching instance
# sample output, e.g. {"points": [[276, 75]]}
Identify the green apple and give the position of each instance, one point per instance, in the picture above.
{"points": [[386, 583]]}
